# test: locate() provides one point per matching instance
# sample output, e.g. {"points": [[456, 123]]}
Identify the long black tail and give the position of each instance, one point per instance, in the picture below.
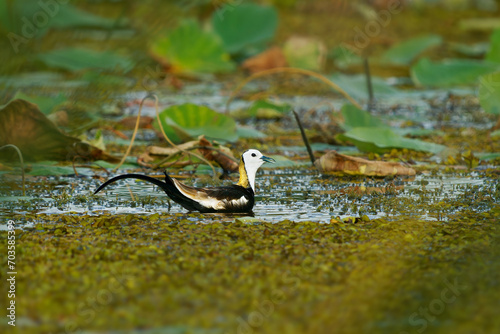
{"points": [[159, 183]]}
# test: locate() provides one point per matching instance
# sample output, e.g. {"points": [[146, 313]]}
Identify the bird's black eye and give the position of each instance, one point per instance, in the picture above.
{"points": [[254, 155]]}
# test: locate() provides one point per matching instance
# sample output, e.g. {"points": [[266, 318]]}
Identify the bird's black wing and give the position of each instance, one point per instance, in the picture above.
{"points": [[218, 199]]}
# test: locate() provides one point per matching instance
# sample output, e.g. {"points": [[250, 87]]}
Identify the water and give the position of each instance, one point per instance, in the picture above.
{"points": [[284, 194]]}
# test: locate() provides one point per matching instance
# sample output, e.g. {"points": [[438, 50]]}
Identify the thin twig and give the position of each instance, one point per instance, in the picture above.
{"points": [[306, 141], [133, 135], [164, 160], [73, 164], [368, 83], [197, 147], [21, 160], [131, 194], [291, 70], [216, 150]]}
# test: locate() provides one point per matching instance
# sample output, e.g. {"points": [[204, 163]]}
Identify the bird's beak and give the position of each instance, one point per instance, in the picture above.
{"points": [[267, 159]]}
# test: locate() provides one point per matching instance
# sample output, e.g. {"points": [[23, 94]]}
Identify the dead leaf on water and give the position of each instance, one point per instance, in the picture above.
{"points": [[271, 58], [25, 126], [154, 152], [336, 162], [223, 156]]}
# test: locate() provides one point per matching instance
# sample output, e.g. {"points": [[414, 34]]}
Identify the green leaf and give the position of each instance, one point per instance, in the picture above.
{"points": [[245, 26], [70, 16], [31, 79], [248, 132], [379, 140], [45, 103], [355, 85], [186, 121], [493, 54], [489, 93], [189, 49], [405, 52], [344, 57], [471, 50], [49, 168], [354, 117], [488, 156], [18, 17], [76, 59], [304, 52], [282, 162], [450, 72], [130, 164], [40, 79], [259, 107]]}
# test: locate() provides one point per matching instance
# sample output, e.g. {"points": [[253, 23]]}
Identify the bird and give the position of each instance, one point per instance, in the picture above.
{"points": [[236, 198]]}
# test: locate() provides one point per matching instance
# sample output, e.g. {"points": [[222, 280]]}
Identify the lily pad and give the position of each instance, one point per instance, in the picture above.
{"points": [[450, 72], [46, 168], [76, 59], [405, 52], [17, 17], [46, 104], [355, 85], [493, 54], [37, 79], [379, 140], [23, 124], [188, 120], [283, 162], [489, 93], [355, 117], [488, 156], [471, 50], [268, 109], [245, 26], [71, 16], [189, 49], [248, 132], [344, 57]]}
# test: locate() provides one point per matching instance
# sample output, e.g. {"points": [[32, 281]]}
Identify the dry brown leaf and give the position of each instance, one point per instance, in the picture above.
{"points": [[336, 162], [25, 126], [266, 60], [145, 122], [223, 160], [157, 150], [153, 152]]}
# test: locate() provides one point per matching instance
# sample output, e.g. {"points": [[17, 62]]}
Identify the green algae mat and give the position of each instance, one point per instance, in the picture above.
{"points": [[185, 273]]}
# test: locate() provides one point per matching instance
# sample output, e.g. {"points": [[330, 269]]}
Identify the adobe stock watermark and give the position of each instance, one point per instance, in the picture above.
{"points": [[429, 313], [222, 6], [266, 308], [88, 308], [30, 26], [489, 84], [362, 36]]}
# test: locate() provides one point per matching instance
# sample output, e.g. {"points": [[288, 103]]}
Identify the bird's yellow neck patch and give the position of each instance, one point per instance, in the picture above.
{"points": [[243, 175]]}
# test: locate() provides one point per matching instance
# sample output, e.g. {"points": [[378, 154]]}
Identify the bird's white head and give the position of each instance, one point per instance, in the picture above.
{"points": [[251, 160]]}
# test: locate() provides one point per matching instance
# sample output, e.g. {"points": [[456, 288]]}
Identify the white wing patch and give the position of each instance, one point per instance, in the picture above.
{"points": [[214, 203]]}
